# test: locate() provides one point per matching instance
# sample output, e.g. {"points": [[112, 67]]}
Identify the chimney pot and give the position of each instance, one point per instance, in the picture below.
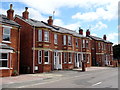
{"points": [[10, 13], [26, 13], [80, 31], [50, 21], [104, 37], [87, 32]]}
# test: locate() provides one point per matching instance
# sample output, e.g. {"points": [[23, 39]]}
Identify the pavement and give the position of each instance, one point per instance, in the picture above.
{"points": [[40, 76]]}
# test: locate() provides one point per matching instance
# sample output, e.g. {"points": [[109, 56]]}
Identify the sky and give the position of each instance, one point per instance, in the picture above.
{"points": [[99, 16]]}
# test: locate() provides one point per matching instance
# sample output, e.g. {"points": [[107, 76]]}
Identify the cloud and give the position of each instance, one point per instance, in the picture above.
{"points": [[112, 36], [98, 26]]}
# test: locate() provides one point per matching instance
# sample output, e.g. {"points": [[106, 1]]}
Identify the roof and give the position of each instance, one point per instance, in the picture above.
{"points": [[99, 39], [5, 46], [5, 20], [55, 28]]}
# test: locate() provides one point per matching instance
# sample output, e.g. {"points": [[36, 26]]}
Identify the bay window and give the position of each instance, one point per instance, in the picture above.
{"points": [[70, 57], [3, 59], [39, 57], [46, 57], [46, 36], [55, 39], [69, 40], [40, 35]]}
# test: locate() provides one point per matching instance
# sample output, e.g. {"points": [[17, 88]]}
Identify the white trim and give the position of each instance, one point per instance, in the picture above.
{"points": [[6, 41], [6, 26], [5, 51]]}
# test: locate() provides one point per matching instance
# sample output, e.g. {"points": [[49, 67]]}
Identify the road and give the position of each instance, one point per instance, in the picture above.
{"points": [[105, 78]]}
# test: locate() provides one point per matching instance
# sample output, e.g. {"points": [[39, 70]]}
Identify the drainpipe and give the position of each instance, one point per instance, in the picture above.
{"points": [[33, 49]]}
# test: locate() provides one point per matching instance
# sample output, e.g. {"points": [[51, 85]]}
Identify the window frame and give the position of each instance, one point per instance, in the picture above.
{"points": [[46, 36], [76, 42], [69, 57], [39, 35], [46, 56], [69, 40], [64, 40], [9, 35], [55, 38], [65, 57], [4, 59], [39, 62]]}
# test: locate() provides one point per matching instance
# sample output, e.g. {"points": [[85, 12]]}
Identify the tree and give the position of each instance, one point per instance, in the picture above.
{"points": [[116, 52]]}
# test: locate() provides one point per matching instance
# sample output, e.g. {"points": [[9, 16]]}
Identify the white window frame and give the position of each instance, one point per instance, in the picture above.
{"points": [[76, 42], [83, 43], [70, 57], [55, 38], [65, 57], [40, 35], [46, 56], [64, 40], [39, 62], [46, 36], [69, 40], [87, 43], [88, 61], [5, 59], [4, 28]]}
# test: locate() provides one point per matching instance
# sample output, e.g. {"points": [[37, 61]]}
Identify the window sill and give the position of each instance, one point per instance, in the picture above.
{"points": [[3, 68], [6, 41], [46, 63]]}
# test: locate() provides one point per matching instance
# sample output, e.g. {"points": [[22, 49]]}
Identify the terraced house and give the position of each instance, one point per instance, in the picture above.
{"points": [[9, 44], [46, 47]]}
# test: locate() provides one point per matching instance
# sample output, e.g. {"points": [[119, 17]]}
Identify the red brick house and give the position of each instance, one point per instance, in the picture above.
{"points": [[101, 50], [9, 44], [45, 47]]}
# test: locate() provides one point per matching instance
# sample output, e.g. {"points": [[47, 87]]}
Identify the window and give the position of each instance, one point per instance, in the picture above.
{"points": [[87, 43], [64, 39], [70, 57], [3, 59], [46, 36], [65, 57], [88, 60], [84, 58], [83, 43], [76, 42], [104, 46], [99, 45], [6, 34], [111, 48], [46, 54], [55, 39], [40, 35], [39, 57], [69, 40]]}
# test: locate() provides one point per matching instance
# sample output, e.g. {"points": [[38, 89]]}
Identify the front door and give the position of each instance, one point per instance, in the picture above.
{"points": [[78, 60], [57, 60]]}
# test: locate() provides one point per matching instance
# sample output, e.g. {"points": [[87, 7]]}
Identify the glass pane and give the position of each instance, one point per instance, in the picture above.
{"points": [[39, 53], [6, 37], [6, 30], [46, 53], [3, 63], [3, 56], [46, 59]]}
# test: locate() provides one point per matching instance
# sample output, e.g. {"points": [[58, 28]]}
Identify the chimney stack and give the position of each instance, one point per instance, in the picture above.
{"points": [[87, 32], [26, 13], [50, 21], [80, 31], [104, 37], [10, 13]]}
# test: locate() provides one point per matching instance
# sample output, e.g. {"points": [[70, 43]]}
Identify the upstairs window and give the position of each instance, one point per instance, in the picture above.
{"points": [[55, 39], [83, 43], [69, 40], [6, 34], [87, 44], [76, 42], [46, 36], [46, 57], [40, 35], [3, 59], [64, 40]]}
